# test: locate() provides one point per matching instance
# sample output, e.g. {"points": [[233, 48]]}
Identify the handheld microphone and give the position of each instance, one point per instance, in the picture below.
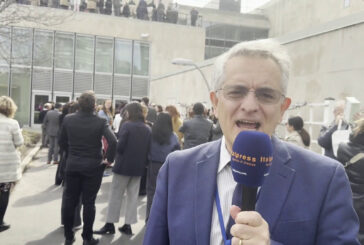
{"points": [[250, 162]]}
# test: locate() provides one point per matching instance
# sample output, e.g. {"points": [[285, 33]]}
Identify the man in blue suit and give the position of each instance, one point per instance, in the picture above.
{"points": [[305, 200]]}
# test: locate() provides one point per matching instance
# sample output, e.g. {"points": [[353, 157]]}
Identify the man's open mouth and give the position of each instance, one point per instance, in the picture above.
{"points": [[247, 124]]}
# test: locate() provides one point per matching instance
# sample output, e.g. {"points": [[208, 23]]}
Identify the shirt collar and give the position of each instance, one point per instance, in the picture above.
{"points": [[225, 156]]}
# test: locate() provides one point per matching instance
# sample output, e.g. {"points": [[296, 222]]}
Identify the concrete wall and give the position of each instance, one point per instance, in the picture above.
{"points": [[182, 89], [328, 65], [288, 16], [167, 41], [325, 42]]}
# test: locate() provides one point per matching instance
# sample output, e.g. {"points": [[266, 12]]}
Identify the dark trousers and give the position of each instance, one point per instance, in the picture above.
{"points": [[153, 170], [143, 183], [4, 201], [77, 217], [87, 184]]}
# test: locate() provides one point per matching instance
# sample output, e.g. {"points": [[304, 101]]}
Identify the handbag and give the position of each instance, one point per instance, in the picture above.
{"points": [[339, 136], [354, 159]]}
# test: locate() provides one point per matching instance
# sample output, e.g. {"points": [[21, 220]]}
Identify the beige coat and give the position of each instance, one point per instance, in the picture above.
{"points": [[295, 138]]}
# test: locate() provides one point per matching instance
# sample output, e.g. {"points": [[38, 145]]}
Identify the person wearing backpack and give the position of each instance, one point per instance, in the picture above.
{"points": [[351, 154]]}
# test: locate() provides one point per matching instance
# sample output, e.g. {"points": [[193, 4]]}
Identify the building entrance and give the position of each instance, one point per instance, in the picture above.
{"points": [[38, 101]]}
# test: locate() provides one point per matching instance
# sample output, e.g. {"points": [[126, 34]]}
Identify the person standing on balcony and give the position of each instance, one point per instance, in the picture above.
{"points": [[194, 16]]}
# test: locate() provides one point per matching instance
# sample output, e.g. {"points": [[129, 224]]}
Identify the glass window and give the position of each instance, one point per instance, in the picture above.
{"points": [[43, 48], [84, 53], [20, 92], [64, 51], [22, 46], [123, 51], [4, 80], [5, 45], [104, 55], [141, 59]]}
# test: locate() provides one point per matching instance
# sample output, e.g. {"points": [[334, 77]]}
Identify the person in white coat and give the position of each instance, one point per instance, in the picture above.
{"points": [[11, 137]]}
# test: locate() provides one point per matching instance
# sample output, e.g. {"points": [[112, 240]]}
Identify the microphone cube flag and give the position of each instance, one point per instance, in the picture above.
{"points": [[251, 158]]}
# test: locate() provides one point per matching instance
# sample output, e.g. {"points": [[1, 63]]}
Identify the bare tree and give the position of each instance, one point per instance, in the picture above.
{"points": [[13, 14]]}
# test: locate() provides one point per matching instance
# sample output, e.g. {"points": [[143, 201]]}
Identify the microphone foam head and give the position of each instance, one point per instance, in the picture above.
{"points": [[251, 157]]}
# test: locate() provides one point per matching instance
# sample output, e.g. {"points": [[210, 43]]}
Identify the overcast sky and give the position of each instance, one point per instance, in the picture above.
{"points": [[247, 5]]}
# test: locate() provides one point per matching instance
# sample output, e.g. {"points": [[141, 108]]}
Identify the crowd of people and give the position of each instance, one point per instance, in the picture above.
{"points": [[125, 8], [145, 135], [141, 142]]}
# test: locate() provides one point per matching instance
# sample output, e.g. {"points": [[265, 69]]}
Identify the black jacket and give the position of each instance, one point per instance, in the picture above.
{"points": [[132, 149], [81, 135], [196, 130], [325, 140], [355, 174]]}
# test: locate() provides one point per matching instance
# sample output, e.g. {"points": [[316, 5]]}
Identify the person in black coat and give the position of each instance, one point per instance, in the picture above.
{"points": [[196, 130], [134, 138], [164, 141], [81, 135], [325, 138], [351, 154]]}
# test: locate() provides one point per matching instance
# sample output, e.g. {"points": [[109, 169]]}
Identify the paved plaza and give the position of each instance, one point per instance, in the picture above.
{"points": [[34, 210]]}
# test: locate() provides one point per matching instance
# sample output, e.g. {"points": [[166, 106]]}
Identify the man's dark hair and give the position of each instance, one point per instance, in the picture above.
{"points": [[145, 100], [58, 105], [86, 101], [198, 108]]}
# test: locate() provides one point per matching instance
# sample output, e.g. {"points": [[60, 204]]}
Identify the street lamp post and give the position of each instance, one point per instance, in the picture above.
{"points": [[187, 62]]}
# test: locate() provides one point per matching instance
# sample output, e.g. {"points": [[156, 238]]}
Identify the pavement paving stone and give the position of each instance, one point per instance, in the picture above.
{"points": [[34, 210]]}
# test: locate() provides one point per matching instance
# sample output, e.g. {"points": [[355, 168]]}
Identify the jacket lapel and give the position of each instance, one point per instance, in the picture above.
{"points": [[205, 183], [275, 188]]}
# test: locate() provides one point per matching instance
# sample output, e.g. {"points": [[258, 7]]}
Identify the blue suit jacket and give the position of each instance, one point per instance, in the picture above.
{"points": [[306, 199]]}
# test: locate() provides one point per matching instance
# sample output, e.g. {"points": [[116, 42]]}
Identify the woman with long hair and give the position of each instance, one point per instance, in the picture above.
{"points": [[296, 133], [11, 138], [131, 159], [176, 121], [164, 141], [107, 112], [351, 154]]}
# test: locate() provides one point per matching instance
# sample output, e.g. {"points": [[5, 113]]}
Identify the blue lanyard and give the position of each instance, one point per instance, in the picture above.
{"points": [[221, 219]]}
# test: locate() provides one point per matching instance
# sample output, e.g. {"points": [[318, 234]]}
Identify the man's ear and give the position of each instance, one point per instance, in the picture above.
{"points": [[285, 105], [214, 100]]}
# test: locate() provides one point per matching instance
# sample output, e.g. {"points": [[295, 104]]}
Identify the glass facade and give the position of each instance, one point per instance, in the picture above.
{"points": [[22, 47], [43, 48], [20, 93], [4, 80], [141, 59], [64, 51], [84, 53], [68, 63], [221, 37], [104, 55], [123, 51], [5, 46]]}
